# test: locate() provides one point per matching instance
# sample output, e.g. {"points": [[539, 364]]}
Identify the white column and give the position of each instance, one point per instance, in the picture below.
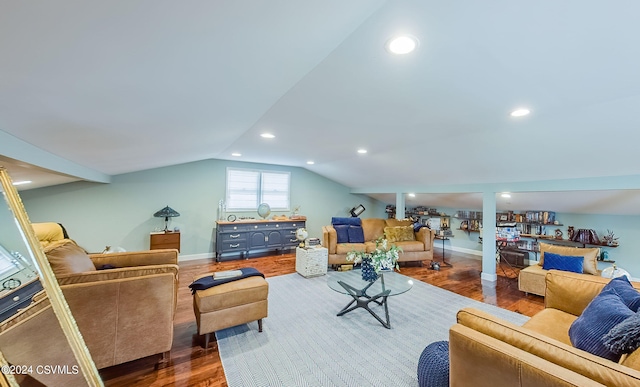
{"points": [[400, 205], [489, 236]]}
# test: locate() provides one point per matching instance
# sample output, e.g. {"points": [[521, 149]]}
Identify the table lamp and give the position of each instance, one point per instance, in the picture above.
{"points": [[166, 213]]}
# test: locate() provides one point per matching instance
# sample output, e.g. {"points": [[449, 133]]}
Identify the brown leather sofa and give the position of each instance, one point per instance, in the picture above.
{"points": [[488, 351], [419, 249]]}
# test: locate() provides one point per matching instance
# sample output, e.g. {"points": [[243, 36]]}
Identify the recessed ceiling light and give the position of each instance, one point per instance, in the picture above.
{"points": [[267, 135], [236, 154], [310, 162], [506, 195], [362, 151], [22, 182], [520, 112], [412, 195], [402, 44]]}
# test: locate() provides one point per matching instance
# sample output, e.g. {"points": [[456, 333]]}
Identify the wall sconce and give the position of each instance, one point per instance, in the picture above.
{"points": [[166, 213], [356, 211]]}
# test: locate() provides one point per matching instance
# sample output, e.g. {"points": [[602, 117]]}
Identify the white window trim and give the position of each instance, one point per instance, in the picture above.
{"points": [[258, 188]]}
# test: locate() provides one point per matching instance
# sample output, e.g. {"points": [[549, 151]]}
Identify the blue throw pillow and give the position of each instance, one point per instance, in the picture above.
{"points": [[356, 234], [563, 262], [629, 295], [603, 313], [347, 221], [343, 233]]}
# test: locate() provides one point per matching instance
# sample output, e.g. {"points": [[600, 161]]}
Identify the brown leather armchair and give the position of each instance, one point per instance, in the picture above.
{"points": [[124, 311]]}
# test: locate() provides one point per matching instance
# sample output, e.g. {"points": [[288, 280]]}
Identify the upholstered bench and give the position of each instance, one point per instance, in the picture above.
{"points": [[230, 304]]}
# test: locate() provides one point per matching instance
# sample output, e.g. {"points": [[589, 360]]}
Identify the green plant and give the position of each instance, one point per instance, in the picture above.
{"points": [[385, 255]]}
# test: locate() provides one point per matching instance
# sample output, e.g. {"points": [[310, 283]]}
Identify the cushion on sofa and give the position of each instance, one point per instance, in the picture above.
{"points": [[400, 233], [342, 232], [631, 360], [409, 246], [604, 312], [624, 289], [552, 323], [345, 248], [563, 262], [373, 228], [356, 235], [590, 264], [348, 221], [69, 258]]}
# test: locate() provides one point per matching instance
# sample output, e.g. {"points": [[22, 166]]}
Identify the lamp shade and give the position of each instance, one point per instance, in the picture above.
{"points": [[166, 212]]}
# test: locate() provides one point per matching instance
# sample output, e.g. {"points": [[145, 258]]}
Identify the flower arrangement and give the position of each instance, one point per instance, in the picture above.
{"points": [[384, 257]]}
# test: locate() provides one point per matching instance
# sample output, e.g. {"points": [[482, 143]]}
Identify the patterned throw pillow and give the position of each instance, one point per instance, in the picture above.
{"points": [[563, 262], [399, 233]]}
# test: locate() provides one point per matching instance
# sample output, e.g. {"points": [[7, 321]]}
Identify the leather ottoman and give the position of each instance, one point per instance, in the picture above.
{"points": [[227, 305]]}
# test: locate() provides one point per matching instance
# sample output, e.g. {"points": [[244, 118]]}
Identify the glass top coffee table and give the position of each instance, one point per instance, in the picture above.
{"points": [[350, 282]]}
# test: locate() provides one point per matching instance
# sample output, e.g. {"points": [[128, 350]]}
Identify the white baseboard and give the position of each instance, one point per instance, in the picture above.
{"points": [[462, 250], [489, 277], [195, 257]]}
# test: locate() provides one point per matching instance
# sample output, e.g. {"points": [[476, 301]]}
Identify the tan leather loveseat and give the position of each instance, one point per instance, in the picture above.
{"points": [[418, 249], [488, 351], [532, 278]]}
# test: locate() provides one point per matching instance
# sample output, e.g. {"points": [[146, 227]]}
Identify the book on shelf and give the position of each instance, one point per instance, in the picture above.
{"points": [[227, 274]]}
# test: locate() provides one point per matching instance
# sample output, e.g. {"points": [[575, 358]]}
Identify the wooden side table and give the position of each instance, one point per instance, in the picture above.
{"points": [[165, 240]]}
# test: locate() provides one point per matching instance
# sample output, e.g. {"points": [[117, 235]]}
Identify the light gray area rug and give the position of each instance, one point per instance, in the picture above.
{"points": [[304, 343]]}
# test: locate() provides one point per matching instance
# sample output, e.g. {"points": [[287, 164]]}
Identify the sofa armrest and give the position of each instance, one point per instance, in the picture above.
{"points": [[480, 360], [592, 366], [136, 258], [329, 238], [426, 236]]}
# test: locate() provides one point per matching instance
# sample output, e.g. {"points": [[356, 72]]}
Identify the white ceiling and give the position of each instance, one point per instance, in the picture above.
{"points": [[122, 86]]}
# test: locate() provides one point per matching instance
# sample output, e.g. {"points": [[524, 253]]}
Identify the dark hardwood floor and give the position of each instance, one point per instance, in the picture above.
{"points": [[191, 365]]}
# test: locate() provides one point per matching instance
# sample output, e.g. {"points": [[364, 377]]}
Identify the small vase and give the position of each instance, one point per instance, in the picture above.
{"points": [[368, 272]]}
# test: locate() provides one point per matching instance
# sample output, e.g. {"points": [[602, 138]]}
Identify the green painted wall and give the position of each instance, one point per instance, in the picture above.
{"points": [[121, 213]]}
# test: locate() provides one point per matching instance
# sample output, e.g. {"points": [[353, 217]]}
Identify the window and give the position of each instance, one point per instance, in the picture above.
{"points": [[247, 188]]}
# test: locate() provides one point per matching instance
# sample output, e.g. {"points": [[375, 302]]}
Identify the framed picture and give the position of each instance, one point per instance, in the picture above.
{"points": [[504, 217]]}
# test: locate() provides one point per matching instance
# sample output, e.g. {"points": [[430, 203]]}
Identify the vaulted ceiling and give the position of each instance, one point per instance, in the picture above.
{"points": [[89, 90]]}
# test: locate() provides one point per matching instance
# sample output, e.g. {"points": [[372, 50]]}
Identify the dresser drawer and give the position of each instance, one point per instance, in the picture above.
{"points": [[165, 241], [232, 227], [233, 237], [228, 247]]}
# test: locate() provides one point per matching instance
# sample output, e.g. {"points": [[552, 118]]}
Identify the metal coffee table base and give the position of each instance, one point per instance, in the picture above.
{"points": [[362, 300]]}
